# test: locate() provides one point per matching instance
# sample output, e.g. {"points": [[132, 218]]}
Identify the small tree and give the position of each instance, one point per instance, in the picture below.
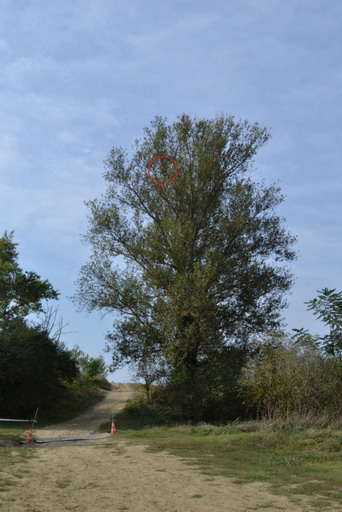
{"points": [[21, 292], [151, 370], [89, 366], [327, 307], [95, 366]]}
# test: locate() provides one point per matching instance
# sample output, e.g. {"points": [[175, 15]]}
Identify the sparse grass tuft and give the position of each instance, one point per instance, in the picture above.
{"points": [[62, 484], [8, 456]]}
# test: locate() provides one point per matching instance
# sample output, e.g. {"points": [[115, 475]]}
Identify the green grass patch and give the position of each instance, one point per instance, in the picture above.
{"points": [[293, 458], [76, 401]]}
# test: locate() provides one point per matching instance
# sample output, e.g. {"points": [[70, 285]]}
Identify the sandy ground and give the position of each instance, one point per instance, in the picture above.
{"points": [[109, 474]]}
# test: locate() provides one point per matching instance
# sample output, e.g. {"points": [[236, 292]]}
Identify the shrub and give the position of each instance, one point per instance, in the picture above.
{"points": [[285, 379], [101, 382], [211, 395], [33, 369]]}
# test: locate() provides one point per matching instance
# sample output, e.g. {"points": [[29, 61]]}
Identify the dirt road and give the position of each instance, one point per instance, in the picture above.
{"points": [[110, 475]]}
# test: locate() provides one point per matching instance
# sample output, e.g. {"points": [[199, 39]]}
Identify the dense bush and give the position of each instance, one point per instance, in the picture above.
{"points": [[139, 413], [32, 369], [76, 399], [286, 379], [211, 395]]}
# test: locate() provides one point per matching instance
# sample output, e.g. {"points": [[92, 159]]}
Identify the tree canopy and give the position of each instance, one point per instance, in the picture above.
{"points": [[21, 293], [191, 267]]}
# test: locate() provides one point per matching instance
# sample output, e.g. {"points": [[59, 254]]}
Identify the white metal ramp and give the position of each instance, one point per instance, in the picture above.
{"points": [[73, 438]]}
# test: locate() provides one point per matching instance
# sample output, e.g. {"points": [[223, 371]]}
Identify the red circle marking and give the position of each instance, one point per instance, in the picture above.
{"points": [[149, 169]]}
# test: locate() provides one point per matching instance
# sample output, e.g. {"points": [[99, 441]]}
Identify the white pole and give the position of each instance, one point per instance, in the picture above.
{"points": [[35, 417]]}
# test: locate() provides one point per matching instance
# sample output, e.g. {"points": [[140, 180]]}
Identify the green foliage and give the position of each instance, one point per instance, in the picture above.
{"points": [[327, 307], [284, 379], [94, 366], [151, 369], [76, 399], [211, 394], [21, 293], [92, 370], [34, 365], [139, 414], [32, 368], [89, 366], [202, 253]]}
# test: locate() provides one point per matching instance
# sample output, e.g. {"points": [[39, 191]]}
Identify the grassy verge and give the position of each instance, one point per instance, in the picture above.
{"points": [[294, 458], [76, 401]]}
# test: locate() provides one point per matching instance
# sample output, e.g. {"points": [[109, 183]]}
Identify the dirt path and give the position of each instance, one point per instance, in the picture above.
{"points": [[110, 475], [87, 423]]}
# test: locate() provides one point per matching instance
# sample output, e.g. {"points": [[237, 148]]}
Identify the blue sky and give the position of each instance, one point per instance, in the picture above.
{"points": [[80, 77]]}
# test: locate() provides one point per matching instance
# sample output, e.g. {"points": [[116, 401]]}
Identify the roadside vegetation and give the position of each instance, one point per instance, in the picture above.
{"points": [[290, 434], [36, 367], [298, 457]]}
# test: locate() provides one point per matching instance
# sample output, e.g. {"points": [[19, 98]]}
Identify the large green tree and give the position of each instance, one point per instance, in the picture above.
{"points": [[192, 266]]}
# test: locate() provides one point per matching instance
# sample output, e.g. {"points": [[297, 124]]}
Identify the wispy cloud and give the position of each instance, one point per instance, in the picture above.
{"points": [[78, 77]]}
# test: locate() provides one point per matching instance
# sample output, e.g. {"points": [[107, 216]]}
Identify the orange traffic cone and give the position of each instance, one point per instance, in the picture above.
{"points": [[113, 429], [29, 438]]}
